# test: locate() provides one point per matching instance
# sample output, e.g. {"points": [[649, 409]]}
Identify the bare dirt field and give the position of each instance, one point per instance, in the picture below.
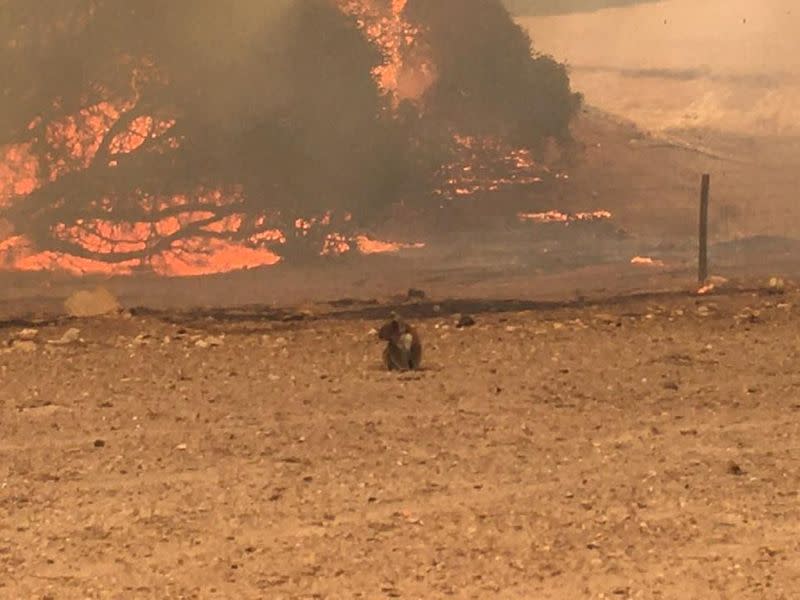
{"points": [[638, 448], [612, 446]]}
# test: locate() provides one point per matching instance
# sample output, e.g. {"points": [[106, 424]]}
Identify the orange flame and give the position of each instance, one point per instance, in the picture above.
{"points": [[407, 72], [555, 216], [79, 138]]}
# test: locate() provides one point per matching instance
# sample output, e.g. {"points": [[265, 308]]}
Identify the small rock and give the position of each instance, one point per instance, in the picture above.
{"points": [[209, 342], [27, 335], [24, 345], [735, 469], [776, 285], [181, 447], [671, 385], [92, 303], [142, 339], [465, 321], [71, 336], [298, 315], [99, 443]]}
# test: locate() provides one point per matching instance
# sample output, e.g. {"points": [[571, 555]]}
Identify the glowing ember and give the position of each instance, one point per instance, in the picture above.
{"points": [[406, 72], [18, 170], [554, 216], [646, 261], [488, 165], [182, 236], [706, 289], [338, 244], [369, 246]]}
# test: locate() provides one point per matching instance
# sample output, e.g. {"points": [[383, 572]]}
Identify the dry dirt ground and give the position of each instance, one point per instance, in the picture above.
{"points": [[640, 448]]}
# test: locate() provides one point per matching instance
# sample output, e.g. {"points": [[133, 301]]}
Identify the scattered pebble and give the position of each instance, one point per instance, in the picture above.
{"points": [[209, 342], [776, 285], [465, 321], [735, 469], [27, 335], [71, 336], [24, 345]]}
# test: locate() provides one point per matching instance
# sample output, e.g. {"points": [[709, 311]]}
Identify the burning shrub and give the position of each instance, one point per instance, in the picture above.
{"points": [[140, 111], [139, 132]]}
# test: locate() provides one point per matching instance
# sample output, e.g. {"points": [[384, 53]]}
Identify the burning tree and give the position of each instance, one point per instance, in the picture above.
{"points": [[136, 130], [153, 125]]}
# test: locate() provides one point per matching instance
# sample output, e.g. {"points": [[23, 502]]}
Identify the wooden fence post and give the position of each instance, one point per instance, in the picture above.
{"points": [[702, 267]]}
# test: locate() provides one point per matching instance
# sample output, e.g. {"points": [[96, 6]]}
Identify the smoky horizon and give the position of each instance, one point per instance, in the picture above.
{"points": [[479, 137]]}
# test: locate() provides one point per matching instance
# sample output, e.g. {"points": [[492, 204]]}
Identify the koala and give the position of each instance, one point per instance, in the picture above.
{"points": [[403, 347]]}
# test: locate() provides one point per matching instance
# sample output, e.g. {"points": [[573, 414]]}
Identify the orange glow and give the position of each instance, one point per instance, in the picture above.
{"points": [[488, 165], [193, 257], [706, 289], [338, 244], [369, 246], [646, 261], [554, 216], [106, 130], [18, 170], [407, 71]]}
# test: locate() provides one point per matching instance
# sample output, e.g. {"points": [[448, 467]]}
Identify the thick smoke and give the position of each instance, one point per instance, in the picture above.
{"points": [[237, 118], [560, 7], [729, 65]]}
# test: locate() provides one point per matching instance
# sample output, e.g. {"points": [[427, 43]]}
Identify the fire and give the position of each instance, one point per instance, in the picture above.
{"points": [[647, 261], [488, 165], [406, 72], [554, 216], [86, 137]]}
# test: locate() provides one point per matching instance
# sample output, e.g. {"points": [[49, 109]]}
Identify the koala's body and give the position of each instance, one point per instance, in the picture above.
{"points": [[403, 350]]}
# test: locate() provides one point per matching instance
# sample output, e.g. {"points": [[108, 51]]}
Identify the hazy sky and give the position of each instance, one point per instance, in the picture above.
{"points": [[545, 7], [724, 63]]}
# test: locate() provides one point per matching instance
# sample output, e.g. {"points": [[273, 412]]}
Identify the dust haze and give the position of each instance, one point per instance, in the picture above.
{"points": [[205, 227], [727, 65], [488, 170]]}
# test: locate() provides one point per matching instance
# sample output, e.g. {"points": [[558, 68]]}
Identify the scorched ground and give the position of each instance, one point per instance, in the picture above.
{"points": [[644, 448]]}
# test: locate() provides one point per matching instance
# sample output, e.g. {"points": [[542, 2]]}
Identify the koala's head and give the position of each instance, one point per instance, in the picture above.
{"points": [[391, 331]]}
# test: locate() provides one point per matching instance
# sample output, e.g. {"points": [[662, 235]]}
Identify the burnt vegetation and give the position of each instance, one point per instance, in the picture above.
{"points": [[147, 126]]}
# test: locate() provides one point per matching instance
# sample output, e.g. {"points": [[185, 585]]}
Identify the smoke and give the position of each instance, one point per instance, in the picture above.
{"points": [[147, 128], [732, 65], [560, 7]]}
